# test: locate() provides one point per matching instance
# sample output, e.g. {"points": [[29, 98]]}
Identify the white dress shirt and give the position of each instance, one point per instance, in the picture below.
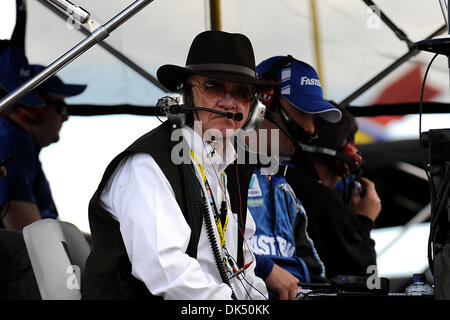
{"points": [[156, 235]]}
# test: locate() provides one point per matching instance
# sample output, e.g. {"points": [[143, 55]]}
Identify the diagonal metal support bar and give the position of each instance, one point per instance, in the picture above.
{"points": [[117, 54], [398, 32], [96, 37], [412, 52]]}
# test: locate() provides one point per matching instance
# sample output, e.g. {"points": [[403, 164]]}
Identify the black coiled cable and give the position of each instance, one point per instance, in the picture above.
{"points": [[215, 248]]}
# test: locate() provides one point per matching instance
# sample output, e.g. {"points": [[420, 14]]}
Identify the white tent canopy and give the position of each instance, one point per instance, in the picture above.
{"points": [[355, 45]]}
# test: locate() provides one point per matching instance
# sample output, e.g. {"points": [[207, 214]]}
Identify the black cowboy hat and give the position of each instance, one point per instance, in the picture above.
{"points": [[218, 55]]}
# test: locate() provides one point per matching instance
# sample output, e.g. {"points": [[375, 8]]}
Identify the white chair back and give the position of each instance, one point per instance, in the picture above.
{"points": [[58, 251]]}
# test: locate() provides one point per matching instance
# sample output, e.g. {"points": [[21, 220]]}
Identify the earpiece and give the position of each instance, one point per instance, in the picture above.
{"points": [[255, 116], [166, 104]]}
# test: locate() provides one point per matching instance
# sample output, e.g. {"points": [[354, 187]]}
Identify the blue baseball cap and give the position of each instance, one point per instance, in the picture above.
{"points": [[15, 71], [300, 85], [55, 87]]}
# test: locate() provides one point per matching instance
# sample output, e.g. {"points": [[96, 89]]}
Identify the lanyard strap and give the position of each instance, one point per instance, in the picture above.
{"points": [[222, 218]]}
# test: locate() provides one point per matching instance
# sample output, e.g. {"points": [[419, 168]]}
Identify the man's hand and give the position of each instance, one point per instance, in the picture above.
{"points": [[370, 204], [3, 172], [282, 283]]}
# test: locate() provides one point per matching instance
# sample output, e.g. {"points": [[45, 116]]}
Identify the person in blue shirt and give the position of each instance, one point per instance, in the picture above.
{"points": [[33, 123], [291, 107]]}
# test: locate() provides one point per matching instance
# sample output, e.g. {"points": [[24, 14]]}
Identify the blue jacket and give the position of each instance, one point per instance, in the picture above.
{"points": [[25, 180], [275, 209]]}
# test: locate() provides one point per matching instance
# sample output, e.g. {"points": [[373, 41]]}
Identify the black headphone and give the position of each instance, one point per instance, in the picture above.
{"points": [[349, 169], [346, 161]]}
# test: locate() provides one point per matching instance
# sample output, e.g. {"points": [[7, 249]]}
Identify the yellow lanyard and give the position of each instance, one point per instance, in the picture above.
{"points": [[217, 217]]}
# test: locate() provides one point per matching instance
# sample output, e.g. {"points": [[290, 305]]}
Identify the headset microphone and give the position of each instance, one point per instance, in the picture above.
{"points": [[170, 106], [177, 109], [233, 116], [348, 158], [300, 136]]}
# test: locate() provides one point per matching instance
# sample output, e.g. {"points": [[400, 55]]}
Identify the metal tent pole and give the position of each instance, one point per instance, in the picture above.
{"points": [[113, 51], [412, 52], [97, 36], [214, 13]]}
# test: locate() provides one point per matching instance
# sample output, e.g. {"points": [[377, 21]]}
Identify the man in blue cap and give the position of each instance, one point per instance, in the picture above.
{"points": [[291, 107], [31, 124]]}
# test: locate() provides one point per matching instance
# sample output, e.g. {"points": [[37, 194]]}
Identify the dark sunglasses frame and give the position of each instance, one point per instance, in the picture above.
{"points": [[60, 107], [217, 91]]}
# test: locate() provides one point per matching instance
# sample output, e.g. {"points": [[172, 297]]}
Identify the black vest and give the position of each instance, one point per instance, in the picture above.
{"points": [[108, 269]]}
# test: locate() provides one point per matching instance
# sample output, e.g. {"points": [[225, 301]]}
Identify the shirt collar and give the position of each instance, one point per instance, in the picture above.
{"points": [[215, 154]]}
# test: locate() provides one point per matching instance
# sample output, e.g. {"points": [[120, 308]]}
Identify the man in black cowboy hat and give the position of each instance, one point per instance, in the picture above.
{"points": [[164, 222]]}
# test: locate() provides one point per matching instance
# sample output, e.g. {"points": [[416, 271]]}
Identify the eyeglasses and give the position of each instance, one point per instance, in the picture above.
{"points": [[60, 107], [243, 95]]}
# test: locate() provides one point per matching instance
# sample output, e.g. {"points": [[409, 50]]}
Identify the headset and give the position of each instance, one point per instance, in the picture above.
{"points": [[349, 168], [179, 107], [348, 161], [270, 99], [345, 162]]}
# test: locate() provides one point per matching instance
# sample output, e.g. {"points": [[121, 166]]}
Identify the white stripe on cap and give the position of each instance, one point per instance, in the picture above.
{"points": [[286, 90], [286, 74]]}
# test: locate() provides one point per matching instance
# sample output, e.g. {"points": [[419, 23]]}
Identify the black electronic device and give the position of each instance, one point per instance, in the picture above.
{"points": [[437, 45], [167, 108], [346, 285], [436, 144]]}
